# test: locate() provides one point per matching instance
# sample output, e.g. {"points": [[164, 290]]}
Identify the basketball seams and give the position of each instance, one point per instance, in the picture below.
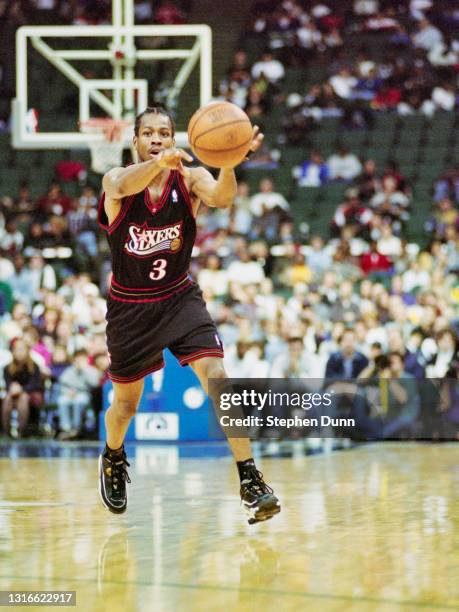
{"points": [[219, 127], [214, 132], [199, 114], [239, 146]]}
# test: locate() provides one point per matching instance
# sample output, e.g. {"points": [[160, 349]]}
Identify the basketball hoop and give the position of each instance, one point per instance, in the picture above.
{"points": [[107, 151]]}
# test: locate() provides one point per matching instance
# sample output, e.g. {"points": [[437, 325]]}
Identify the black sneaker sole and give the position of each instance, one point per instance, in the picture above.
{"points": [[264, 514], [266, 509], [105, 503]]}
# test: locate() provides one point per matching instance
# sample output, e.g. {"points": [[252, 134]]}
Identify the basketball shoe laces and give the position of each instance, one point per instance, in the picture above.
{"points": [[119, 474], [255, 484]]}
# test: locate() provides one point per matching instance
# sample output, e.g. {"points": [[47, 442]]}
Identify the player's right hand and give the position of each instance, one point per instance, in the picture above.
{"points": [[173, 159]]}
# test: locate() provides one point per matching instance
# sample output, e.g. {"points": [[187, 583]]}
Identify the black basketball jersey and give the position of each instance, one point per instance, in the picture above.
{"points": [[151, 242]]}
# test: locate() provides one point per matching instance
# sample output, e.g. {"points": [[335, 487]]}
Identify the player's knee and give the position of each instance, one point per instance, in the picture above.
{"points": [[125, 408]]}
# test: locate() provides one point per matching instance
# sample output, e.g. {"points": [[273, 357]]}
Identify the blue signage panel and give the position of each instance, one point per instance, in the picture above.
{"points": [[173, 407]]}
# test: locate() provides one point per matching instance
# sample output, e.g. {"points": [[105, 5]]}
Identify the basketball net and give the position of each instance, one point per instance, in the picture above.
{"points": [[107, 152]]}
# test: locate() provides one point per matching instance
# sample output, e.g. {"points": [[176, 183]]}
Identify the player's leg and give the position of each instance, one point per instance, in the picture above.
{"points": [[126, 398], [257, 497], [113, 461], [212, 368]]}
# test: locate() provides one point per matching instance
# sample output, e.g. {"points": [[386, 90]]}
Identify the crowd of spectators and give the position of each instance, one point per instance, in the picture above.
{"points": [[288, 305], [415, 69], [90, 12]]}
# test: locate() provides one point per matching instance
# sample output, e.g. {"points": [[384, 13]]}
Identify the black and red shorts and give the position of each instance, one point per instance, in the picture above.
{"points": [[140, 327]]}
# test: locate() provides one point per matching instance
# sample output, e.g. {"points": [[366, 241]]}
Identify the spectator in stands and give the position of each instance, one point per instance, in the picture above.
{"points": [[387, 98], [388, 244], [212, 277], [297, 361], [23, 389], [427, 36], [143, 12], [446, 353], [36, 238], [270, 67], [343, 83], [24, 205], [445, 216], [367, 182], [444, 96], [352, 213], [381, 22], [365, 8], [55, 202], [240, 215], [415, 278], [445, 54], [75, 383], [11, 239], [30, 279], [245, 270], [267, 199], [345, 307], [347, 363], [169, 13], [447, 186], [82, 222], [313, 172], [318, 258], [399, 398], [390, 202], [239, 358], [374, 262], [344, 165]]}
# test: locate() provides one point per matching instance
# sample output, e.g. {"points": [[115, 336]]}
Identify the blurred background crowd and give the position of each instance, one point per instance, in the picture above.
{"points": [[353, 295]]}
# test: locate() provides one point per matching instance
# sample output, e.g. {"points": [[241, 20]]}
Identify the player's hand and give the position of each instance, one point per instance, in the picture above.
{"points": [[257, 139], [173, 159]]}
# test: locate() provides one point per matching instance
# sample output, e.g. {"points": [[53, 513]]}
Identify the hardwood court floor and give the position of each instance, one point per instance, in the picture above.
{"points": [[375, 528]]}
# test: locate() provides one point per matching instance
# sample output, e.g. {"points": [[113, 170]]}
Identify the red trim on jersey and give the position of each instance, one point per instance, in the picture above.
{"points": [[100, 211], [155, 207], [124, 208], [180, 278], [148, 300], [199, 354], [185, 193], [128, 379], [125, 205]]}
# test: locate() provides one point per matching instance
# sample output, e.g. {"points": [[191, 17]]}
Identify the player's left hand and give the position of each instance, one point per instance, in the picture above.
{"points": [[257, 139]]}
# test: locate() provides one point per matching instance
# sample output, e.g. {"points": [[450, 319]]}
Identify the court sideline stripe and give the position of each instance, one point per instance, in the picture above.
{"points": [[211, 587]]}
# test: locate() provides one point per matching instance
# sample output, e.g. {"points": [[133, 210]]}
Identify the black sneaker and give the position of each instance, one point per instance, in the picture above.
{"points": [[257, 498], [112, 481]]}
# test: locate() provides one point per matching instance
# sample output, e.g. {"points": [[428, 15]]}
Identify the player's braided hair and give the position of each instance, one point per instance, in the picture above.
{"points": [[157, 109]]}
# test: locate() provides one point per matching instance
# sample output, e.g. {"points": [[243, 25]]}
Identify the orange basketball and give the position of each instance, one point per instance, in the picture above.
{"points": [[220, 134]]}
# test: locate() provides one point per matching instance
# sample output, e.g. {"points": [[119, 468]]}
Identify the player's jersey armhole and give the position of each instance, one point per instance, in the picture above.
{"points": [[102, 218], [185, 193]]}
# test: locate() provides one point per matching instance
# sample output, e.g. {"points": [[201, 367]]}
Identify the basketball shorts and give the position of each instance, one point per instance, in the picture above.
{"points": [[137, 333]]}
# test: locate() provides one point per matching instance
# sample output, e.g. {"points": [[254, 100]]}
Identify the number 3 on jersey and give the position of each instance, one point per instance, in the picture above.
{"points": [[158, 269]]}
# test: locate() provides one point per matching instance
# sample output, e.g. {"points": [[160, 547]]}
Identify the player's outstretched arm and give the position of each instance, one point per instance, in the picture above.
{"points": [[220, 193], [121, 182]]}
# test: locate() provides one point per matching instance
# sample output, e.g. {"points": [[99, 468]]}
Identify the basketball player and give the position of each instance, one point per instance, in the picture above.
{"points": [[148, 210]]}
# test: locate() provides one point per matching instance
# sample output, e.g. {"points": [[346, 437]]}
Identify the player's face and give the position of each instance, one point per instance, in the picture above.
{"points": [[155, 135]]}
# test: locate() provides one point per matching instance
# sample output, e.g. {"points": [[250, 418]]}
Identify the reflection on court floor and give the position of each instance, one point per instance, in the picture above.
{"points": [[374, 528]]}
